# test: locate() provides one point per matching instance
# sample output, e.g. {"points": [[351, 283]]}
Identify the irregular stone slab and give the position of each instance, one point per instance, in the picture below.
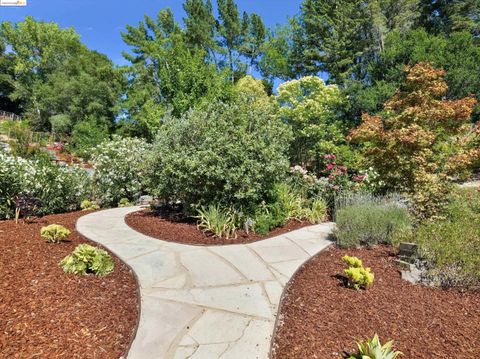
{"points": [[160, 323], [248, 299], [215, 327], [204, 302], [206, 269], [246, 261]]}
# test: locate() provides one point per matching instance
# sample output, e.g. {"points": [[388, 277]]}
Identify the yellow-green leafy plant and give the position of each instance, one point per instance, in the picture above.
{"points": [[352, 261], [216, 220], [317, 212], [373, 349], [54, 233], [88, 205], [124, 202], [86, 259], [358, 276]]}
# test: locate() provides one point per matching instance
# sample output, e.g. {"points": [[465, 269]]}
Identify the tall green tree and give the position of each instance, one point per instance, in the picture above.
{"points": [[166, 74], [446, 16], [6, 81], [55, 74], [230, 29], [255, 34], [337, 36], [200, 26]]}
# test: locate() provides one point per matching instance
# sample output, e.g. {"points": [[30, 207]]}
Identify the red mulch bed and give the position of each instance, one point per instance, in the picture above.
{"points": [[175, 228], [45, 313], [322, 318]]}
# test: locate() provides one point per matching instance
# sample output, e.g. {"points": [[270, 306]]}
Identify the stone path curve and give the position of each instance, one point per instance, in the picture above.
{"points": [[205, 302]]}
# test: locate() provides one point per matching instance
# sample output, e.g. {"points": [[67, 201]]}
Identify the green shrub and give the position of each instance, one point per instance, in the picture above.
{"points": [[88, 205], [316, 212], [124, 202], [57, 189], [119, 169], [217, 221], [366, 220], [451, 247], [373, 349], [86, 259], [54, 233], [358, 276], [231, 154]]}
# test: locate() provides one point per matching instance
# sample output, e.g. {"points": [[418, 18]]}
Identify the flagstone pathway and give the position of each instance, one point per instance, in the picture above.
{"points": [[205, 302]]}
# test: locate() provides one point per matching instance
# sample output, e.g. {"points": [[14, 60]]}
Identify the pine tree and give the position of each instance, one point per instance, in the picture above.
{"points": [[200, 26], [255, 34], [230, 29]]}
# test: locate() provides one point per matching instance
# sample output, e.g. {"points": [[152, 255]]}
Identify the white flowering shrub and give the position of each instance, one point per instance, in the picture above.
{"points": [[59, 189], [119, 169]]}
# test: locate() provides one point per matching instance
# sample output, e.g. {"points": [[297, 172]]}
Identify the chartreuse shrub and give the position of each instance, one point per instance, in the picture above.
{"points": [[216, 220], [363, 219], [358, 276], [229, 154], [54, 233], [86, 259], [373, 349], [450, 247], [88, 205], [124, 202]]}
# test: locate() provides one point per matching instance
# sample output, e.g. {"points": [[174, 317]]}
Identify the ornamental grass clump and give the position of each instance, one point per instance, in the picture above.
{"points": [[215, 220], [54, 233], [358, 276], [373, 349], [86, 259]]}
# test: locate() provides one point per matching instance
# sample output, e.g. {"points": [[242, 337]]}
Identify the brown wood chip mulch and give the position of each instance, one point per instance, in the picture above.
{"points": [[175, 228], [45, 313], [323, 319]]}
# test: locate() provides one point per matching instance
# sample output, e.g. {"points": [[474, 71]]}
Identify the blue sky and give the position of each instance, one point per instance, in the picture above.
{"points": [[100, 22]]}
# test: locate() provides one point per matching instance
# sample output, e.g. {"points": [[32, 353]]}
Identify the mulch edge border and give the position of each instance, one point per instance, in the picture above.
{"points": [[139, 297], [282, 297]]}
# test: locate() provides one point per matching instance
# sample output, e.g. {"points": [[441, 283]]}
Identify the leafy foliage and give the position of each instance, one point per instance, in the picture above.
{"points": [[310, 107], [230, 154], [124, 202], [119, 169], [56, 189], [88, 205], [373, 349], [450, 246], [366, 220], [422, 140], [215, 220], [358, 276], [54, 233], [86, 259]]}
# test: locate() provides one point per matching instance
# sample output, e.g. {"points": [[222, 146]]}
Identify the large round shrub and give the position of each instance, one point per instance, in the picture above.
{"points": [[231, 154], [119, 169]]}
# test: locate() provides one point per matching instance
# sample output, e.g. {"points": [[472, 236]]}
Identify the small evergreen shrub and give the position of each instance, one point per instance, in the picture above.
{"points": [[368, 220], [373, 349], [86, 259], [124, 202], [358, 276], [450, 247], [54, 233], [88, 205], [216, 220]]}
